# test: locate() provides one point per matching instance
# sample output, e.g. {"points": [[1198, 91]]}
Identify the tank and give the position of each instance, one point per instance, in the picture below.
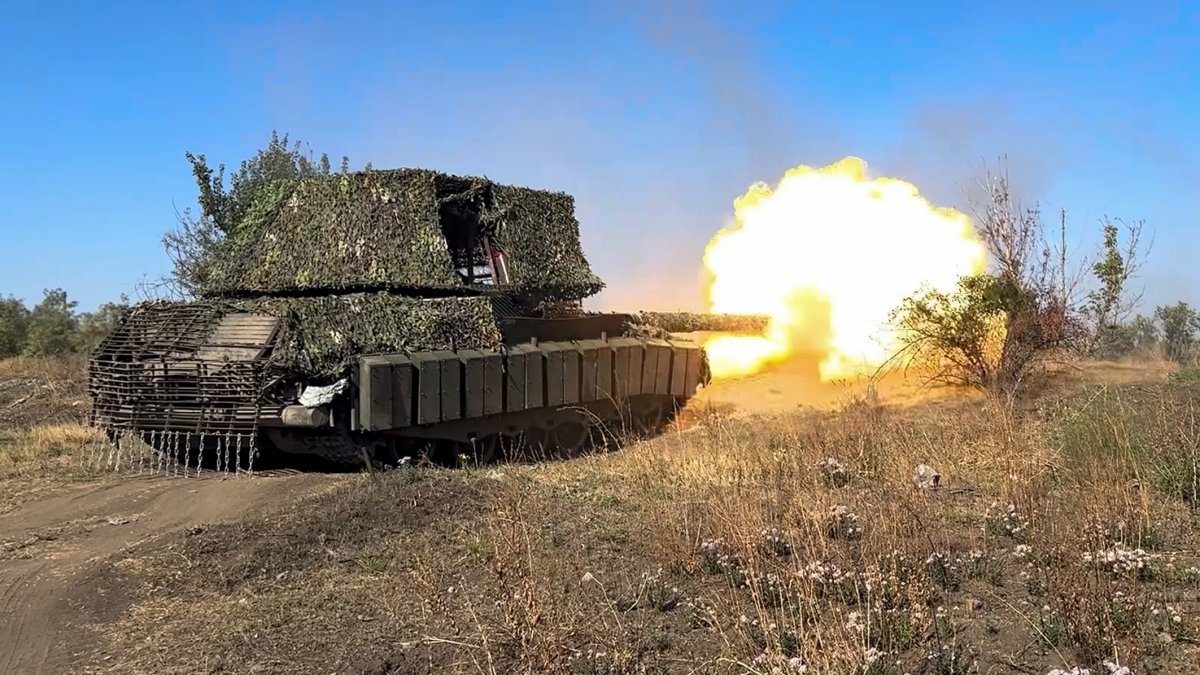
{"points": [[388, 314]]}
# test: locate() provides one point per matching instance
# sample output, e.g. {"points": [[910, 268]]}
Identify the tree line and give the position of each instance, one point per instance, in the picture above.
{"points": [[1171, 330], [53, 327]]}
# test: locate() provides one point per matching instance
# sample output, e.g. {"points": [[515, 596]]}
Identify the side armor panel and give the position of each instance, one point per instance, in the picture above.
{"points": [[422, 388]]}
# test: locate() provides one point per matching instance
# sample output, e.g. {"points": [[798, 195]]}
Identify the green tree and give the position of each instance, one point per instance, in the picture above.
{"points": [[1179, 324], [1107, 306], [95, 326], [53, 326], [14, 324], [197, 238]]}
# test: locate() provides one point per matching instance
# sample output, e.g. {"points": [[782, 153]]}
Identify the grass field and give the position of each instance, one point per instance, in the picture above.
{"points": [[1063, 534]]}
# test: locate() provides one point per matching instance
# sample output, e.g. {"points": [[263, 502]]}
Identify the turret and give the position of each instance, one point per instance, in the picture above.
{"points": [[409, 231]]}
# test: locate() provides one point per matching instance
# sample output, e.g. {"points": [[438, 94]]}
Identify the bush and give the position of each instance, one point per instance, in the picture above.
{"points": [[1179, 326], [53, 327], [995, 329], [193, 243]]}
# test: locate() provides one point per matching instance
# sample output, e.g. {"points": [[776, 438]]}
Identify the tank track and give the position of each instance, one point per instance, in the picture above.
{"points": [[540, 434]]}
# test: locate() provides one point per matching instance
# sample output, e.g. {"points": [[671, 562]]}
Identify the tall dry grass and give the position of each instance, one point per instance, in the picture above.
{"points": [[1063, 534], [813, 545], [49, 451], [72, 369]]}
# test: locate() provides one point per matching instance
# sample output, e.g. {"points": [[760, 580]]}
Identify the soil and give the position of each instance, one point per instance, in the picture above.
{"points": [[53, 550]]}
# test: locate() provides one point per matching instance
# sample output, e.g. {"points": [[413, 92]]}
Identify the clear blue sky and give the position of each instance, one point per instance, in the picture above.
{"points": [[656, 119]]}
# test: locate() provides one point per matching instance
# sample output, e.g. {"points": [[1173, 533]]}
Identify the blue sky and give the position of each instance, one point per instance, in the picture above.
{"points": [[655, 117]]}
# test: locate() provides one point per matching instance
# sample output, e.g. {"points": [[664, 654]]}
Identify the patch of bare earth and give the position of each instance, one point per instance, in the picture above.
{"points": [[58, 554], [1061, 534]]}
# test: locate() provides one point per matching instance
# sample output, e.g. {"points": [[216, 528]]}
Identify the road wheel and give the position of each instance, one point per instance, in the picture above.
{"points": [[570, 438]]}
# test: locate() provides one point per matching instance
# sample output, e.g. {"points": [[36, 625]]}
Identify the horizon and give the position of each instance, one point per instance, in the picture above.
{"points": [[654, 121]]}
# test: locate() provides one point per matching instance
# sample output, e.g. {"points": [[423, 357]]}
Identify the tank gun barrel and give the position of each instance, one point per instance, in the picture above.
{"points": [[699, 322]]}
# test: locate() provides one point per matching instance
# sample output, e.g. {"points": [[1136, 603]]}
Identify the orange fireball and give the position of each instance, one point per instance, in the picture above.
{"points": [[828, 254]]}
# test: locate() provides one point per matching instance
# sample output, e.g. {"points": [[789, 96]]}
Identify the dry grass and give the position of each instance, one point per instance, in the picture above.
{"points": [[44, 439], [34, 460], [39, 391], [48, 450], [64, 369], [725, 548]]}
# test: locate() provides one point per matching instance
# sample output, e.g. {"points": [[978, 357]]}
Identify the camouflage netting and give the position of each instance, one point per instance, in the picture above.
{"points": [[321, 336], [382, 230], [541, 236], [692, 322]]}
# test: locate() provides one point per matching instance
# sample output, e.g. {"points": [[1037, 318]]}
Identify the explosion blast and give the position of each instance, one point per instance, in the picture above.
{"points": [[828, 254]]}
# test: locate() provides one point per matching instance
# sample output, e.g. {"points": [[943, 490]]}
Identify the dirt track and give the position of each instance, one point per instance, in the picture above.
{"points": [[51, 548]]}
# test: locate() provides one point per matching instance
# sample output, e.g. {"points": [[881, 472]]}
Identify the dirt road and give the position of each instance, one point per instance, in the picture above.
{"points": [[51, 548]]}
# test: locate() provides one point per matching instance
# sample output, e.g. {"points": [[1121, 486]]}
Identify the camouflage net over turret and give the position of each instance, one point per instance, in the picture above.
{"points": [[381, 230]]}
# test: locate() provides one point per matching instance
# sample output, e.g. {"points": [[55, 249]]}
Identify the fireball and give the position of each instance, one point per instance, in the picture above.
{"points": [[828, 255]]}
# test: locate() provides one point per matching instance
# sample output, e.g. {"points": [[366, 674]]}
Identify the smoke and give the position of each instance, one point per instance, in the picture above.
{"points": [[720, 52], [948, 146], [753, 135], [690, 32]]}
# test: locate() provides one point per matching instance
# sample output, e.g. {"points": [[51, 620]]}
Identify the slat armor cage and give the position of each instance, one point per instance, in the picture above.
{"points": [[188, 368]]}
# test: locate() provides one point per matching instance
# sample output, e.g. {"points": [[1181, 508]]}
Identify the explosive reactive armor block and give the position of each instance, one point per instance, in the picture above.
{"points": [[402, 390]]}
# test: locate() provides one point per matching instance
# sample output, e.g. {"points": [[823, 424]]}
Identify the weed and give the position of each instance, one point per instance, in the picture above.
{"points": [[1050, 628], [599, 662], [773, 542], [701, 613], [833, 473], [1120, 561], [979, 565], [949, 659], [653, 592], [842, 524], [1006, 522], [477, 548], [1122, 613], [716, 556], [943, 571]]}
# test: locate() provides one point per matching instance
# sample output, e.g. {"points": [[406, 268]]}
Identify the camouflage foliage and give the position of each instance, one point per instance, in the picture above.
{"points": [[321, 336], [539, 232], [337, 232], [381, 230]]}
